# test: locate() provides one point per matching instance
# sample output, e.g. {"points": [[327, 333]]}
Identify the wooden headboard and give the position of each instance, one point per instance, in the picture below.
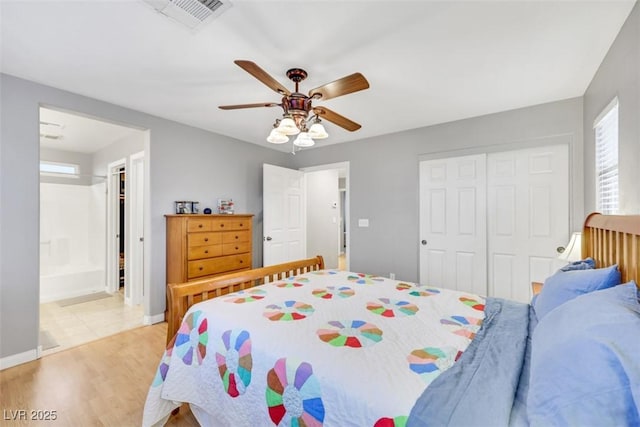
{"points": [[613, 239]]}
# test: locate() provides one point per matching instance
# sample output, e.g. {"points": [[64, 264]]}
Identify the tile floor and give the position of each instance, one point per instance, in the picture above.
{"points": [[80, 323]]}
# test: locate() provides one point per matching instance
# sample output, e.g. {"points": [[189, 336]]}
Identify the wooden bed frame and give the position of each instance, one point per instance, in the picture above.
{"points": [[608, 239], [613, 239], [181, 296]]}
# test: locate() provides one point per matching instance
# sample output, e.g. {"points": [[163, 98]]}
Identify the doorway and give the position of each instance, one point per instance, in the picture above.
{"points": [[297, 225], [78, 303]]}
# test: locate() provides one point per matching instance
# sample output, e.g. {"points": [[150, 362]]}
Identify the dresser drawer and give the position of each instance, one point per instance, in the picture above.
{"points": [[217, 224], [218, 265], [237, 223], [199, 252], [235, 248], [236, 236], [200, 224], [204, 239]]}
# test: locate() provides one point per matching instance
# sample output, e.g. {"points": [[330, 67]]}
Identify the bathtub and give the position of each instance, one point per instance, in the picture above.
{"points": [[67, 281]]}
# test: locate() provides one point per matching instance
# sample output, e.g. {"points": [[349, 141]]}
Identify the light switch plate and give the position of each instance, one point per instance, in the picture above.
{"points": [[363, 222]]}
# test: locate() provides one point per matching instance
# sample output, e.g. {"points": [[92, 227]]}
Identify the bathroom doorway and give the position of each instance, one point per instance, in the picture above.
{"points": [[77, 304]]}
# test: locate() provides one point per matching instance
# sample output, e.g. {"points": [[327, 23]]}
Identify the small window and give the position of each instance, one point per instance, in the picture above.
{"points": [[67, 170], [606, 137]]}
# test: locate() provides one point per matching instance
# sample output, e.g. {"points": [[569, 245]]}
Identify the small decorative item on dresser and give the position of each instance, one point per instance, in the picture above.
{"points": [[225, 206], [207, 211], [186, 207]]}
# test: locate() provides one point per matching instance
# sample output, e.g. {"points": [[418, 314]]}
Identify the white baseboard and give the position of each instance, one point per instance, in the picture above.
{"points": [[18, 359], [150, 320]]}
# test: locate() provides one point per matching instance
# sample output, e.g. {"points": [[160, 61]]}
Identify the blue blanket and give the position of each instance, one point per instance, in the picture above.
{"points": [[479, 389]]}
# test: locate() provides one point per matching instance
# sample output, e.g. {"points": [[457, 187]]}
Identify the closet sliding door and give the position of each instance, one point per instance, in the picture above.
{"points": [[490, 223], [453, 223], [528, 217]]}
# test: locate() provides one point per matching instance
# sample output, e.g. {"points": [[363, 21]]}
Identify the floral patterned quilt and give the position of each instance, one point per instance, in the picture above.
{"points": [[327, 348]]}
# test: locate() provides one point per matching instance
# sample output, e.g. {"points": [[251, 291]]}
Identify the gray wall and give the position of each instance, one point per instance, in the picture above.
{"points": [[384, 175], [120, 149], [184, 163], [323, 219], [618, 75]]}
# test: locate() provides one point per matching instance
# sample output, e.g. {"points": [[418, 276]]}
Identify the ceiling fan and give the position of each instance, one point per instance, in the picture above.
{"points": [[298, 108]]}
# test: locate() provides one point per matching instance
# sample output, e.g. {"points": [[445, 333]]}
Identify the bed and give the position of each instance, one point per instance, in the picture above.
{"points": [[300, 345]]}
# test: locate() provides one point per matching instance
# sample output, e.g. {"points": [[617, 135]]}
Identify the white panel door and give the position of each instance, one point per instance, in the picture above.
{"points": [[453, 223], [528, 217], [135, 291], [284, 215]]}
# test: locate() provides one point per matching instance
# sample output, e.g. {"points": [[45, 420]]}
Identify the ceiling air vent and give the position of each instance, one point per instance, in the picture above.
{"points": [[51, 131], [191, 13]]}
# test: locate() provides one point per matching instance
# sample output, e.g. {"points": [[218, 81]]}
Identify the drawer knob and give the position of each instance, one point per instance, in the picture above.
{"points": [[221, 225], [206, 239], [240, 224], [236, 248], [241, 261], [200, 268], [206, 251], [237, 237], [199, 225]]}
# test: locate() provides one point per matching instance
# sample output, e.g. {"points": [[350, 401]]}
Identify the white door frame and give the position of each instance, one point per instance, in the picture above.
{"points": [[344, 166], [113, 182], [135, 253]]}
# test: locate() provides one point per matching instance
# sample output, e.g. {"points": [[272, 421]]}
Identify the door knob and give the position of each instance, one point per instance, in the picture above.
{"points": [[424, 242], [268, 238], [560, 249]]}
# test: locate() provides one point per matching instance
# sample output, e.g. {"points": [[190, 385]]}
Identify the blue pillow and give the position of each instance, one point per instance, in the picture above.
{"points": [[584, 361], [583, 264], [566, 285]]}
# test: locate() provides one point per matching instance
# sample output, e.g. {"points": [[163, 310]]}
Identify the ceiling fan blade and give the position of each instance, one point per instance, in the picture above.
{"points": [[343, 86], [236, 107], [260, 74], [335, 118]]}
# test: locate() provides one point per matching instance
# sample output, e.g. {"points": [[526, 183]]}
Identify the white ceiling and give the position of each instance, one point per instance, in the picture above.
{"points": [[80, 134], [427, 62]]}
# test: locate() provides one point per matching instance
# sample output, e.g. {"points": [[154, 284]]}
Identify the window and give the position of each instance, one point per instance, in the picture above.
{"points": [[58, 169], [606, 136]]}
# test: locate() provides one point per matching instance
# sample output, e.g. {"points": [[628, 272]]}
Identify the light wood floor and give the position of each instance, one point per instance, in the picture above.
{"points": [[103, 383]]}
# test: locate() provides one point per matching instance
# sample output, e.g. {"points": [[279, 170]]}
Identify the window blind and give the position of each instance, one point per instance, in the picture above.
{"points": [[606, 136]]}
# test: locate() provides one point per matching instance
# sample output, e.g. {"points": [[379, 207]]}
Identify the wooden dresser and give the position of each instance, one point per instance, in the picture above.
{"points": [[200, 246]]}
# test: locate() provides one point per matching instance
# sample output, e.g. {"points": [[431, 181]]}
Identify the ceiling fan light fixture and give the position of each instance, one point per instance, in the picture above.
{"points": [[288, 127], [304, 140], [317, 131], [297, 107], [275, 137]]}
